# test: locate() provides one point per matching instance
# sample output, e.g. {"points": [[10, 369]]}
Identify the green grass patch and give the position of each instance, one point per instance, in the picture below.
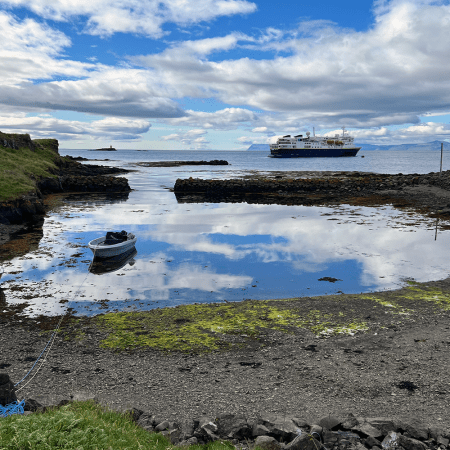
{"points": [[83, 425], [20, 168]]}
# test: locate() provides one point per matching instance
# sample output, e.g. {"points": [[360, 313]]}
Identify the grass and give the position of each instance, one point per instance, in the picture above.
{"points": [[84, 426], [21, 168]]}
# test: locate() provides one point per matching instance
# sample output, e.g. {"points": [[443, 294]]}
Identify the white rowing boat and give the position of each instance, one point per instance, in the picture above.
{"points": [[112, 245]]}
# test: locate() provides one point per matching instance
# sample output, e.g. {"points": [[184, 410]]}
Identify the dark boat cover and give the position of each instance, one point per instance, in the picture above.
{"points": [[115, 237]]}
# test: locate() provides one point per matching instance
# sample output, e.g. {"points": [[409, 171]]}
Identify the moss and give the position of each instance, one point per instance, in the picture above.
{"points": [[202, 328], [428, 294]]}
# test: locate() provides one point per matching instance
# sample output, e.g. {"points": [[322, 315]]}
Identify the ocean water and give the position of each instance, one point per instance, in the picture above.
{"points": [[405, 161], [212, 252]]}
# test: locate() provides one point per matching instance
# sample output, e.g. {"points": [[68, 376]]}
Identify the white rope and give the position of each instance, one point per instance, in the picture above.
{"points": [[51, 340]]}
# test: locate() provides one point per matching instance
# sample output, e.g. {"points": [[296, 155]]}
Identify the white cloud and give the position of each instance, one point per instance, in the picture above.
{"points": [[193, 138], [30, 51], [111, 128], [224, 119], [388, 75], [105, 17]]}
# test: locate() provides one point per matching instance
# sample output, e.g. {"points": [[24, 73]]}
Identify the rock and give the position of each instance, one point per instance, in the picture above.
{"points": [[207, 423], [280, 426], [382, 424], [7, 390], [166, 426], [33, 405], [415, 429], [411, 444], [368, 430], [146, 421], [371, 442], [134, 413], [186, 443], [442, 441], [259, 430], [174, 436], [330, 422], [316, 429], [303, 442], [391, 440], [83, 396], [330, 438], [49, 185], [237, 427], [267, 443]]}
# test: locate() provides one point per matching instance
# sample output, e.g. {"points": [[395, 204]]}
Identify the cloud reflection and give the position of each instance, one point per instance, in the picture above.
{"points": [[204, 252]]}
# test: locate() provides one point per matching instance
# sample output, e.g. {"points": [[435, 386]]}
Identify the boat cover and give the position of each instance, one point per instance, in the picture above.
{"points": [[115, 237]]}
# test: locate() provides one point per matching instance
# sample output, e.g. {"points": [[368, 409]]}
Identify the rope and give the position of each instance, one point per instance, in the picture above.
{"points": [[17, 408], [12, 408]]}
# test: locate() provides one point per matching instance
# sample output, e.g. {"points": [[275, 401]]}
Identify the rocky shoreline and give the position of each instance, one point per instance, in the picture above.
{"points": [[278, 432], [214, 162], [429, 191], [71, 176]]}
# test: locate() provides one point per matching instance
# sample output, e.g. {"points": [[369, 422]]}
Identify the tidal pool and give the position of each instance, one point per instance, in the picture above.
{"points": [[204, 252]]}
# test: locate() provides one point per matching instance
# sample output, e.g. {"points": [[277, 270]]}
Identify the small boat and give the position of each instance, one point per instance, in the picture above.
{"points": [[100, 266], [113, 244]]}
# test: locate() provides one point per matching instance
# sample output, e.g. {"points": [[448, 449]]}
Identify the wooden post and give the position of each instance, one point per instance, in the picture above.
{"points": [[442, 151]]}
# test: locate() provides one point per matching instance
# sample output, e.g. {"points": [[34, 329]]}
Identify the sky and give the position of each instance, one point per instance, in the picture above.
{"points": [[223, 74]]}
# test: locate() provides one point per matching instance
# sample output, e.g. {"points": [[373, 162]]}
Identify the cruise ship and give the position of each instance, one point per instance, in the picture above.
{"points": [[313, 146]]}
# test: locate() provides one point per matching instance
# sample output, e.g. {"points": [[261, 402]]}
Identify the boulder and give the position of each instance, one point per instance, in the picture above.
{"points": [[303, 442], [235, 427], [7, 390], [280, 426], [267, 443]]}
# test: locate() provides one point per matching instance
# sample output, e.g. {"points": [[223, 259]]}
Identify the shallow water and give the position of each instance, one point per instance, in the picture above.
{"points": [[188, 253]]}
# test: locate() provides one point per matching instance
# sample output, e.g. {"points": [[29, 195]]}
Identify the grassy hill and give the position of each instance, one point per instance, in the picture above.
{"points": [[23, 162]]}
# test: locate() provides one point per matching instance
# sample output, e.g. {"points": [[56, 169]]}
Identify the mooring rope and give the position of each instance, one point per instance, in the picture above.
{"points": [[17, 407]]}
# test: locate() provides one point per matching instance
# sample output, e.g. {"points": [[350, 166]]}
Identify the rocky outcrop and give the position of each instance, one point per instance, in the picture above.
{"points": [[283, 189], [17, 141], [21, 210], [279, 432], [71, 176], [214, 162]]}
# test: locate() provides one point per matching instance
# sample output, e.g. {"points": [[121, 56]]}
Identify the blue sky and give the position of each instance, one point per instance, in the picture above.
{"points": [[223, 74]]}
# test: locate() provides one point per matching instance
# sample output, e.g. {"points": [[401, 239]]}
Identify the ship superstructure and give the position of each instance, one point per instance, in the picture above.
{"points": [[314, 146]]}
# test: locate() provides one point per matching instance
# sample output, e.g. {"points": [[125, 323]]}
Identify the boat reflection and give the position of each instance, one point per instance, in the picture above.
{"points": [[100, 266]]}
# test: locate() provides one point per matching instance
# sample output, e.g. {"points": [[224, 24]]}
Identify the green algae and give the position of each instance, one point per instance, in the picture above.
{"points": [[212, 327], [201, 328], [428, 294]]}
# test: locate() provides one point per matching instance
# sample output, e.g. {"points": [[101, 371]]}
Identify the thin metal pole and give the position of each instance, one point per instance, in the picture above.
{"points": [[442, 151]]}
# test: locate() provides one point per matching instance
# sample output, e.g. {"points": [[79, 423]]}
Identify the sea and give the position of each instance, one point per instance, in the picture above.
{"points": [[214, 252]]}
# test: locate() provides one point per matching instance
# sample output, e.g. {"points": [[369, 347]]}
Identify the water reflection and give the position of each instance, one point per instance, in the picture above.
{"points": [[100, 266], [189, 253]]}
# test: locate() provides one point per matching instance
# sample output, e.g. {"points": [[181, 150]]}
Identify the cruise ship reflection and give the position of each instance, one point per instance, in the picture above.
{"points": [[100, 266]]}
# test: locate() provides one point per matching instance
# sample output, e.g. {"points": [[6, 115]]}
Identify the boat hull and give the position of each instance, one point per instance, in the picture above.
{"points": [[313, 152], [107, 251]]}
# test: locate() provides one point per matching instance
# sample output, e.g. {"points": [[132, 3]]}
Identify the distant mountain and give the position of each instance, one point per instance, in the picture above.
{"points": [[259, 147], [435, 145]]}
